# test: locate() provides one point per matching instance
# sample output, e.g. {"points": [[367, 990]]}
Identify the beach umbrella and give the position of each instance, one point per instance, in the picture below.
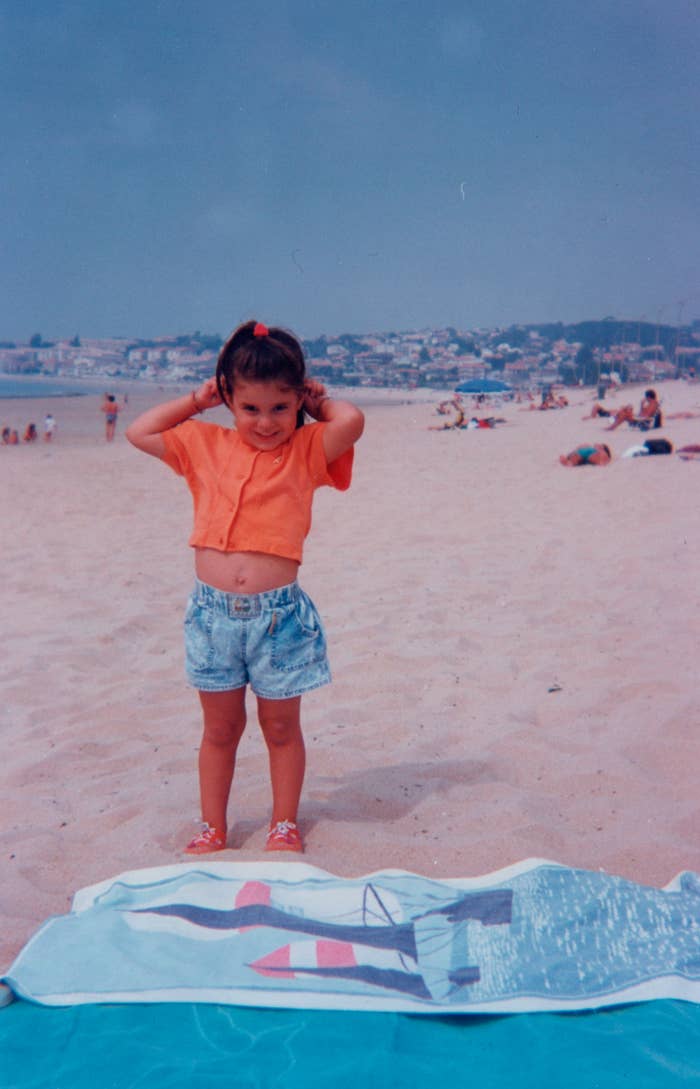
{"points": [[484, 385]]}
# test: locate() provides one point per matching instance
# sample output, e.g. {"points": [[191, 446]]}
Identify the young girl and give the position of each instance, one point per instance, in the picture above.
{"points": [[247, 620]]}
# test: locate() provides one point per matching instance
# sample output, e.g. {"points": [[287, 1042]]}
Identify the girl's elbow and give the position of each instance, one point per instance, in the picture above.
{"points": [[357, 423], [138, 439], [132, 435]]}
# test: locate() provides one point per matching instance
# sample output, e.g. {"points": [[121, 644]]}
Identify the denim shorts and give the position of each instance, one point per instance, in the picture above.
{"points": [[273, 641]]}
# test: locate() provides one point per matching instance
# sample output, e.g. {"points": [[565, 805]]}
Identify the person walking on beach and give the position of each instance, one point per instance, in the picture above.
{"points": [[49, 426], [111, 410], [247, 620]]}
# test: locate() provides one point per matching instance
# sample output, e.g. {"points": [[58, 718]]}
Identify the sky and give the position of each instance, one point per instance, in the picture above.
{"points": [[170, 166]]}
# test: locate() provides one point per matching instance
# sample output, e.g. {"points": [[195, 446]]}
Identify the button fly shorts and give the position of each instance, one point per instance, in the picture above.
{"points": [[273, 641]]}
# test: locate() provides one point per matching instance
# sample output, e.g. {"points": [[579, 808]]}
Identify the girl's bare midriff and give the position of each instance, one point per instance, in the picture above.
{"points": [[243, 572]]}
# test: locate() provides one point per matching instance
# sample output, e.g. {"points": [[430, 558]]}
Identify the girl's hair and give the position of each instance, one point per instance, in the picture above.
{"points": [[607, 449], [256, 356]]}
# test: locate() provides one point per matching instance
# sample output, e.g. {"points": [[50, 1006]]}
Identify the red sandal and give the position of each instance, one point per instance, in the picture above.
{"points": [[206, 841], [284, 836]]}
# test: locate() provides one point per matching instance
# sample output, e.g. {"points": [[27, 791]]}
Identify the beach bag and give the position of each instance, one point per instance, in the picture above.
{"points": [[658, 446]]}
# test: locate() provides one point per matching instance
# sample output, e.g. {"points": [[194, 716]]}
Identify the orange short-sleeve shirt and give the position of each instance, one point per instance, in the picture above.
{"points": [[248, 500]]}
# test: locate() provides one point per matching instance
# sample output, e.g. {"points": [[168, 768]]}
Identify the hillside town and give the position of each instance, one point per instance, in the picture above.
{"points": [[523, 356]]}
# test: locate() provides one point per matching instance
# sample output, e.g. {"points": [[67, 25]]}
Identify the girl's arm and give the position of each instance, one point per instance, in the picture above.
{"points": [[146, 430], [345, 422]]}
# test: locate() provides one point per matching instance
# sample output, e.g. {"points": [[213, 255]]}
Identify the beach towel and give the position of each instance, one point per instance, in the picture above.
{"points": [[638, 451], [536, 936]]}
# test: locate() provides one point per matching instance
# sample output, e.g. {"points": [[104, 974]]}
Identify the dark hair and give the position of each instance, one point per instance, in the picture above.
{"points": [[650, 393], [276, 356], [606, 448]]}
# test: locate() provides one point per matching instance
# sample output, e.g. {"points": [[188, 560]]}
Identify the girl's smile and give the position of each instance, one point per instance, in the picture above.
{"points": [[265, 413]]}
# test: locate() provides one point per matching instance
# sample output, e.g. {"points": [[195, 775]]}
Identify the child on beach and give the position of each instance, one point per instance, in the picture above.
{"points": [[49, 426], [111, 410], [247, 620]]}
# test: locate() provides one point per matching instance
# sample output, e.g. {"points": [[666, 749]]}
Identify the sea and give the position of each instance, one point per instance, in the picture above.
{"points": [[13, 386]]}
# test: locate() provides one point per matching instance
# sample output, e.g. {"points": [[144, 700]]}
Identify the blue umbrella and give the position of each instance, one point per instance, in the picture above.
{"points": [[484, 385]]}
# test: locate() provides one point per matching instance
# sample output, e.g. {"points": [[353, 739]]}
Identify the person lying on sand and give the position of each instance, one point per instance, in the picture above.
{"points": [[587, 455], [689, 453]]}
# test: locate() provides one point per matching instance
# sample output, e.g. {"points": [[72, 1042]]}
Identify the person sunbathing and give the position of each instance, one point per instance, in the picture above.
{"points": [[598, 410], [553, 401], [649, 414], [690, 452], [455, 422], [599, 454]]}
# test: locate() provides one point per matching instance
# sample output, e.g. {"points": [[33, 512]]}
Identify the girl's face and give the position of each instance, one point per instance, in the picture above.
{"points": [[265, 413]]}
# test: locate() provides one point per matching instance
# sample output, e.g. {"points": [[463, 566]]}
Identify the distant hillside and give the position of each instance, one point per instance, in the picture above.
{"points": [[599, 334]]}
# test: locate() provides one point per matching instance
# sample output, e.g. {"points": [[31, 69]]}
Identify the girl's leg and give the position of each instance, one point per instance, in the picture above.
{"points": [[280, 722], [224, 723]]}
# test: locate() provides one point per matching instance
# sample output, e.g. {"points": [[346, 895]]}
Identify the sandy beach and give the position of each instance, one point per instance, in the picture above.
{"points": [[514, 647]]}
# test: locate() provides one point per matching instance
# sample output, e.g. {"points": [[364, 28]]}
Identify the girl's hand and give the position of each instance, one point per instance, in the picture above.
{"points": [[314, 394], [207, 395]]}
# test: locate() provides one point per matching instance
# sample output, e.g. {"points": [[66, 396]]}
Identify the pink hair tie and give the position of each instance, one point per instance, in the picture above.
{"points": [[260, 330]]}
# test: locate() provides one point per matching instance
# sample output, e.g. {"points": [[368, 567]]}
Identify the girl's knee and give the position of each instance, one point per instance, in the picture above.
{"points": [[280, 731], [223, 731], [280, 721]]}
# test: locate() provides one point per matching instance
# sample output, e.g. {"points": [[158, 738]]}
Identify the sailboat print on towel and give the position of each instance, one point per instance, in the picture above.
{"points": [[365, 939]]}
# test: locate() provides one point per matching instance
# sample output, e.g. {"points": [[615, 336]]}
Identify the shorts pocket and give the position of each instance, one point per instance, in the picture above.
{"points": [[298, 638], [199, 650]]}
